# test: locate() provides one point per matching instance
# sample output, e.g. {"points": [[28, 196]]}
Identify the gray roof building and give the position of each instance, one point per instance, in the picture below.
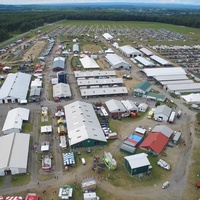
{"points": [[165, 130]]}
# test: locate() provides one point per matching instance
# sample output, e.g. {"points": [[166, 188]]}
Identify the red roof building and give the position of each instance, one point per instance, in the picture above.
{"points": [[32, 196], [155, 142]]}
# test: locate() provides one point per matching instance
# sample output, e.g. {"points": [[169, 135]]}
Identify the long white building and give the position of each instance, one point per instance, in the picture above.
{"points": [[14, 150], [15, 88]]}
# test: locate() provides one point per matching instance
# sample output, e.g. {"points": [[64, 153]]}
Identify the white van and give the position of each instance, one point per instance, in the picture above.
{"points": [[165, 184]]}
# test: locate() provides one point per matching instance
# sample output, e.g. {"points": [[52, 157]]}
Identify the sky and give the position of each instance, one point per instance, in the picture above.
{"points": [[194, 2]]}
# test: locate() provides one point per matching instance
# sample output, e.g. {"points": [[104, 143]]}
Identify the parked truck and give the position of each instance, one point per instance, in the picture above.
{"points": [[179, 113]]}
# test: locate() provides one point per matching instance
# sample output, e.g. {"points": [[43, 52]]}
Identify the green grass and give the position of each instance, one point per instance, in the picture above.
{"points": [[2, 179], [20, 179], [27, 127]]}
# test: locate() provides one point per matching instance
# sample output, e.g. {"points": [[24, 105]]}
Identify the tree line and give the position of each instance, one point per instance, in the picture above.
{"points": [[23, 21]]}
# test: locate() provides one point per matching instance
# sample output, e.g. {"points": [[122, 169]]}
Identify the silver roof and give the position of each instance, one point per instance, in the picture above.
{"points": [[99, 81]]}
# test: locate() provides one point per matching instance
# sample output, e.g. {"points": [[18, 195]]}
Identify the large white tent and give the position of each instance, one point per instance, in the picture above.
{"points": [[14, 150], [107, 36], [14, 120], [15, 88], [193, 98], [89, 63]]}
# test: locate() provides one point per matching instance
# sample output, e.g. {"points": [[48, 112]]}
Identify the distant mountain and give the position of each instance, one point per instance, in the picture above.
{"points": [[4, 7]]}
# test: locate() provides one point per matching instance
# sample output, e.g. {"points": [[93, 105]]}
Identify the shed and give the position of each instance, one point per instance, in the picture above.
{"points": [[137, 164], [58, 64], [75, 48], [142, 107], [130, 106], [127, 149], [141, 131], [46, 129]]}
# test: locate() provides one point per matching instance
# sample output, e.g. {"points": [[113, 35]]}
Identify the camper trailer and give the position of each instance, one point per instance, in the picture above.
{"points": [[172, 117]]}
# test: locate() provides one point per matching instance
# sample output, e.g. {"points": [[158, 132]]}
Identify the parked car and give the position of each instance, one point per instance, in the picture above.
{"points": [[163, 164], [170, 144], [165, 184], [198, 184]]}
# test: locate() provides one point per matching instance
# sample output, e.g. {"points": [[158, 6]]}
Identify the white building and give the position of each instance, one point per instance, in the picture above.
{"points": [[14, 120], [83, 126], [115, 106], [61, 90], [142, 107], [116, 61], [15, 88], [130, 105], [89, 63], [14, 150], [162, 112], [192, 98], [90, 196], [37, 83], [107, 36], [129, 51]]}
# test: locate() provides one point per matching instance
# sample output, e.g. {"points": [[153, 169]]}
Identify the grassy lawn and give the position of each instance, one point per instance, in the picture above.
{"points": [[20, 179], [2, 179], [27, 127]]}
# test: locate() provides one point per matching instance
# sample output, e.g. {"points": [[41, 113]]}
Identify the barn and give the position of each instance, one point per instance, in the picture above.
{"points": [[15, 88], [142, 88], [61, 90], [137, 164], [15, 148], [162, 112], [84, 129], [116, 62], [129, 51]]}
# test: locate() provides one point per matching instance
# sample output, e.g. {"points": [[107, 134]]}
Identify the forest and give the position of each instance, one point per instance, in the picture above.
{"points": [[15, 21]]}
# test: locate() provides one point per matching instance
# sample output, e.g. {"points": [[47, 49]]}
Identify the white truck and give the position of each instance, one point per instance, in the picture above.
{"points": [[172, 117], [163, 164]]}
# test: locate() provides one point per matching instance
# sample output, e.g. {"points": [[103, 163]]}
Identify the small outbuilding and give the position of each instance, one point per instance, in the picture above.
{"points": [[142, 107], [58, 64], [177, 136], [137, 164]]}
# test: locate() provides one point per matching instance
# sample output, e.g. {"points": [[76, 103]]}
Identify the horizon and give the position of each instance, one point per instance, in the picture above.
{"points": [[48, 2]]}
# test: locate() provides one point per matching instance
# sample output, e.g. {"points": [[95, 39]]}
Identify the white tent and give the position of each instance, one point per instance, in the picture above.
{"points": [[89, 63], [192, 98]]}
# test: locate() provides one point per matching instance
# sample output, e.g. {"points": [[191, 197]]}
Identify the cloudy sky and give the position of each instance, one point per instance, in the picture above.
{"points": [[195, 2]]}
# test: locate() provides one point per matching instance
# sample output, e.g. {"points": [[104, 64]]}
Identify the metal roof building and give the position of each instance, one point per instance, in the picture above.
{"points": [[167, 71], [146, 51], [83, 126], [129, 51], [14, 156], [163, 112], [14, 120], [115, 106], [171, 77], [144, 61], [130, 105], [89, 63], [58, 64], [81, 74], [116, 61], [181, 88], [15, 88], [105, 81], [137, 164], [61, 90], [160, 60], [75, 48], [165, 130], [103, 91], [176, 82]]}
